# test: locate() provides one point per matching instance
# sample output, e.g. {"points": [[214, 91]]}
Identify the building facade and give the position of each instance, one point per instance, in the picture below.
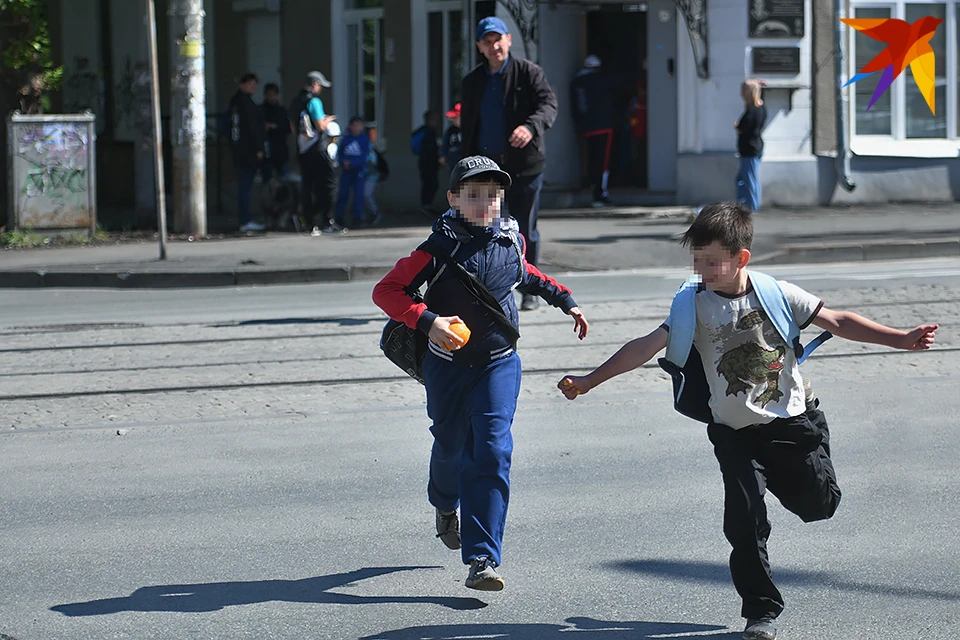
{"points": [[391, 60]]}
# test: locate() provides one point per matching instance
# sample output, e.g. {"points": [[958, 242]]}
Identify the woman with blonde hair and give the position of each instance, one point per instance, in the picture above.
{"points": [[749, 143]]}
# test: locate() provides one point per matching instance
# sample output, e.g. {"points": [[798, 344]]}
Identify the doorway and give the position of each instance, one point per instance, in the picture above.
{"points": [[617, 34]]}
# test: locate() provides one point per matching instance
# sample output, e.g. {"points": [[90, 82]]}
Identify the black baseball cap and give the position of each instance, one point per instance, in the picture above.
{"points": [[473, 166]]}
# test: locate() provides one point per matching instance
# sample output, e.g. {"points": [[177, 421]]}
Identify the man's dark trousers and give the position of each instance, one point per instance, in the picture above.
{"points": [[791, 457], [523, 203], [318, 185]]}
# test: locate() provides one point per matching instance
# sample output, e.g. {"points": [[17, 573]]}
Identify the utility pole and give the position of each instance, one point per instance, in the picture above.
{"points": [[157, 137], [188, 126]]}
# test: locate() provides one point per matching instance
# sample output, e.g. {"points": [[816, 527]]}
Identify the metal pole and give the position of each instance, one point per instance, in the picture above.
{"points": [[157, 136], [188, 93]]}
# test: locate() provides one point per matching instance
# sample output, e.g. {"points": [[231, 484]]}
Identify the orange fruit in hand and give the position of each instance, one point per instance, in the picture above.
{"points": [[462, 331]]}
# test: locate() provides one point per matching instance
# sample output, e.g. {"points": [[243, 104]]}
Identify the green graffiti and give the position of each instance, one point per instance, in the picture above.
{"points": [[55, 182]]}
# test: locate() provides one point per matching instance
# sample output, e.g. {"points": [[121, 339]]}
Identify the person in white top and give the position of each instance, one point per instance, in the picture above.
{"points": [[765, 433]]}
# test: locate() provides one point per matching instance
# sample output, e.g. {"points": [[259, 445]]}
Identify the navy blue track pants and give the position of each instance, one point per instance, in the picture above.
{"points": [[472, 410]]}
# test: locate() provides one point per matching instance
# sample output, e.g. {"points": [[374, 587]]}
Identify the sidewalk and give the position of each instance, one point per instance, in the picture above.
{"points": [[579, 239]]}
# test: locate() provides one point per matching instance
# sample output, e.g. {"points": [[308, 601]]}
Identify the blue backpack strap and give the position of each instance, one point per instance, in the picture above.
{"points": [[778, 309], [683, 322]]}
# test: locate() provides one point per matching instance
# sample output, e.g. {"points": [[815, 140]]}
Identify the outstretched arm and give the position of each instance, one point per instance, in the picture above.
{"points": [[630, 356], [851, 326]]}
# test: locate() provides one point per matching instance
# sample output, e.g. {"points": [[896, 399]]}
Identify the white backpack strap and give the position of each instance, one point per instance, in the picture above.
{"points": [[777, 308], [683, 323]]}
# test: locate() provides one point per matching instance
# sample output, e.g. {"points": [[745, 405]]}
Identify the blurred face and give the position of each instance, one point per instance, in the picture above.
{"points": [[316, 88], [249, 87], [456, 121], [272, 97], [356, 127], [478, 202], [717, 268], [495, 47]]}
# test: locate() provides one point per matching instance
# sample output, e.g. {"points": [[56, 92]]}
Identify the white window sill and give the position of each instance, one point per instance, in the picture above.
{"points": [[883, 146]]}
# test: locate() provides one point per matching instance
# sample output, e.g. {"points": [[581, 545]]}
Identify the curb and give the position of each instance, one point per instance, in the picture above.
{"points": [[861, 251], [615, 212], [103, 278], [183, 279]]}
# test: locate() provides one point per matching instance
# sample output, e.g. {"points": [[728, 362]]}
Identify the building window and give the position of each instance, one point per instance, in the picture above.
{"points": [[901, 113], [364, 29], [445, 64]]}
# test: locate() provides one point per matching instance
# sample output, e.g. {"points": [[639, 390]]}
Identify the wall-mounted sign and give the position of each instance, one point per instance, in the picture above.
{"points": [[776, 18], [776, 60]]}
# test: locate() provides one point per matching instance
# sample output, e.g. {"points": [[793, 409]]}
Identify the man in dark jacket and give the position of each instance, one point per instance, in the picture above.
{"points": [[506, 109], [246, 141]]}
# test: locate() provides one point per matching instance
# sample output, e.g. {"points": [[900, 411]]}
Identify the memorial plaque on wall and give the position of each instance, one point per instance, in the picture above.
{"points": [[776, 18], [776, 60]]}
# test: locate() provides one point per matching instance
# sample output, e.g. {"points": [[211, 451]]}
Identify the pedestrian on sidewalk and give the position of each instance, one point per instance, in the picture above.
{"points": [[247, 135], [749, 128], [277, 124], [592, 94], [352, 157], [472, 387], [452, 139], [317, 174], [766, 429], [423, 143], [507, 107]]}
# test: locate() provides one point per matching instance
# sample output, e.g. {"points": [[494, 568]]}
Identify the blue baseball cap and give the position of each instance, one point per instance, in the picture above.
{"points": [[491, 25]]}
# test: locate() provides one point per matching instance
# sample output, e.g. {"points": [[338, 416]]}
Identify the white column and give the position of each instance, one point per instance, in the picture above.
{"points": [[339, 50], [419, 83], [688, 93]]}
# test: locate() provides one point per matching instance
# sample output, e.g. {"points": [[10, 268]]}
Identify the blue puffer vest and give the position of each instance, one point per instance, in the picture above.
{"points": [[494, 257]]}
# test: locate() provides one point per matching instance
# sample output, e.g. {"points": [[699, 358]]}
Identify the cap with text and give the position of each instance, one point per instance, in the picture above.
{"points": [[474, 166]]}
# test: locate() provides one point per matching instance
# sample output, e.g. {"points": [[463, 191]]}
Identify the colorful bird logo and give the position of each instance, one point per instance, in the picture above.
{"points": [[908, 44]]}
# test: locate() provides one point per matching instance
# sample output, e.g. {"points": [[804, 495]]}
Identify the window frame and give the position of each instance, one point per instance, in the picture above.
{"points": [[354, 56], [445, 8], [897, 143]]}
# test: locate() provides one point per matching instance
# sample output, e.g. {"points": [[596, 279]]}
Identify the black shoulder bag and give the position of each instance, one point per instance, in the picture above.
{"points": [[406, 347]]}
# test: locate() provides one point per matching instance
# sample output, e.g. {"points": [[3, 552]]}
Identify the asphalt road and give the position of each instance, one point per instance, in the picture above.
{"points": [[243, 463]]}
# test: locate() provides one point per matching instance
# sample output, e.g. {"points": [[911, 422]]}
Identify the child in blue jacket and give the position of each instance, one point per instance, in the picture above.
{"points": [[352, 156], [472, 386]]}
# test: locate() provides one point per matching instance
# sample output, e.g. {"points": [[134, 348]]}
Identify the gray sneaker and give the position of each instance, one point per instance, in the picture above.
{"points": [[483, 576], [448, 528], [760, 629]]}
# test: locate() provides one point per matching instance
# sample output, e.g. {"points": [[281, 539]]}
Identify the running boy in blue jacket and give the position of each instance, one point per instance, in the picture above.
{"points": [[472, 387]]}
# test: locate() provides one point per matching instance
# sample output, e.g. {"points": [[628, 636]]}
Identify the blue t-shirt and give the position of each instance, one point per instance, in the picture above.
{"points": [[315, 109], [491, 137]]}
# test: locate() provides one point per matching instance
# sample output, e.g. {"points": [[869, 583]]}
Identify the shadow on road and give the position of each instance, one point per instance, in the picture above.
{"points": [[214, 596], [343, 322], [720, 573], [585, 629]]}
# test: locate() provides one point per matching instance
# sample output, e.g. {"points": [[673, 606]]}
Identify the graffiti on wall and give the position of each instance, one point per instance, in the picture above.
{"points": [[51, 169]]}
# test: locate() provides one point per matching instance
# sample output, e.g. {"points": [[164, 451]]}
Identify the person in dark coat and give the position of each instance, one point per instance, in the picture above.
{"points": [[247, 137], [506, 109], [277, 123], [592, 95]]}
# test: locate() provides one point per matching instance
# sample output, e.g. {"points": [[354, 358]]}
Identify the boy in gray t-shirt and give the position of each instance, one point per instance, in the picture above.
{"points": [[765, 435]]}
